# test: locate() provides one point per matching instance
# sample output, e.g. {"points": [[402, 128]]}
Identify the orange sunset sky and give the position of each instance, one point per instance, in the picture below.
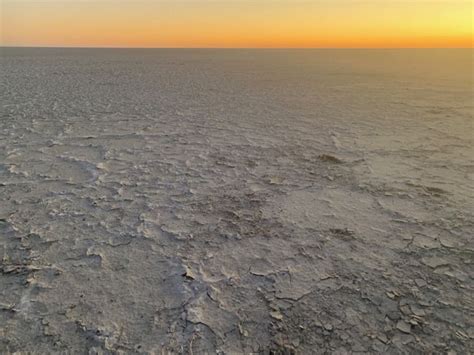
{"points": [[237, 23]]}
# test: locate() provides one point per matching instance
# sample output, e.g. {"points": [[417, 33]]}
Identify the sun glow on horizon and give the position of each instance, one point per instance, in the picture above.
{"points": [[237, 23]]}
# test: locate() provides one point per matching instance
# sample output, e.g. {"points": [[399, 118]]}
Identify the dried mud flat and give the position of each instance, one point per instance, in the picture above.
{"points": [[236, 202]]}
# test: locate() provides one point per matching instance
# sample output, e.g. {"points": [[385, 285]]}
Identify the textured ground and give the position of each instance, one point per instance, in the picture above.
{"points": [[236, 201]]}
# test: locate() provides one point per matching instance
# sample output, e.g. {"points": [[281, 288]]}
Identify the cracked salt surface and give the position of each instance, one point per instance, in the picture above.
{"points": [[202, 201]]}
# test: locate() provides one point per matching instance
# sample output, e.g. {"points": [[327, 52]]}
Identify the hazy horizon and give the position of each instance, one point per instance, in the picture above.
{"points": [[237, 48]]}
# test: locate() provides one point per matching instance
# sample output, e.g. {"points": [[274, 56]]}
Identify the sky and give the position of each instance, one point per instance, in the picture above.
{"points": [[237, 23]]}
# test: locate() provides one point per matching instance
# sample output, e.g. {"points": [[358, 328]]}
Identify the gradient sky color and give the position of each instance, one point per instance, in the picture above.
{"points": [[237, 23]]}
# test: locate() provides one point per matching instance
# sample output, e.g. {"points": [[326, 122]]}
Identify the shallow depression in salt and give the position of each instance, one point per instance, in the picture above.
{"points": [[238, 201]]}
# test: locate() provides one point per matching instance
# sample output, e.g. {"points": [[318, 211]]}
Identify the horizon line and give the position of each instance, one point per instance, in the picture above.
{"points": [[259, 48]]}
